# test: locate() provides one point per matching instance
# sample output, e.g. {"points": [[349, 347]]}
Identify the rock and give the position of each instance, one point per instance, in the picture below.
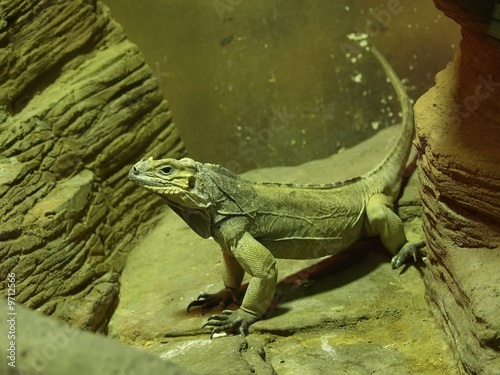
{"points": [[78, 106], [37, 344], [476, 16], [458, 136], [349, 314]]}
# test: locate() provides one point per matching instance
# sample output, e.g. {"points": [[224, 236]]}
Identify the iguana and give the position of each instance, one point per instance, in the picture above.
{"points": [[254, 223]]}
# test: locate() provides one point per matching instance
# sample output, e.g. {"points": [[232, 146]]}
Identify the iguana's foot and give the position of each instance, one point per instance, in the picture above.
{"points": [[408, 249], [222, 298], [231, 321]]}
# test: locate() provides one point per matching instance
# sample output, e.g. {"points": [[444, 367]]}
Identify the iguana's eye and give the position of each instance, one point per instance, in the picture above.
{"points": [[166, 170]]}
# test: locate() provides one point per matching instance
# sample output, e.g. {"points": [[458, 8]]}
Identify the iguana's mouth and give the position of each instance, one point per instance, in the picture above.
{"points": [[160, 187], [144, 181]]}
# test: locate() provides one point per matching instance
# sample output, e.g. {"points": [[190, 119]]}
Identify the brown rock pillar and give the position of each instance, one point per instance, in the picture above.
{"points": [[458, 134], [78, 106]]}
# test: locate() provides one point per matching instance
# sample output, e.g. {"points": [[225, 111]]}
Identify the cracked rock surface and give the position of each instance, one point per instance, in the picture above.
{"points": [[458, 131], [78, 106], [349, 314]]}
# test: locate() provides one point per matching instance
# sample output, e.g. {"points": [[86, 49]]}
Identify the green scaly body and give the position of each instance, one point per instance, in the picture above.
{"points": [[254, 223]]}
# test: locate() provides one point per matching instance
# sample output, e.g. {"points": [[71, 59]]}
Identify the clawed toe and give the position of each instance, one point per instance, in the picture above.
{"points": [[206, 301], [220, 323], [410, 249], [231, 321]]}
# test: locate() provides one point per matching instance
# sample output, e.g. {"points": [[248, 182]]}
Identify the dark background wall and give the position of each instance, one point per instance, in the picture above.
{"points": [[262, 83]]}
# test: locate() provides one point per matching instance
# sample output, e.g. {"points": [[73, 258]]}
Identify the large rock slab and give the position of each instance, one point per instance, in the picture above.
{"points": [[37, 344], [78, 105], [349, 314]]}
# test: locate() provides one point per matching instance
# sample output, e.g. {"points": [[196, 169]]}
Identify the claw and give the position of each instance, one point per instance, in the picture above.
{"points": [[222, 298], [409, 249], [219, 322], [231, 321], [205, 301]]}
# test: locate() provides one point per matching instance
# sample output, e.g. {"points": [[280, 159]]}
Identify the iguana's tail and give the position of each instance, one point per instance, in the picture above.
{"points": [[388, 174]]}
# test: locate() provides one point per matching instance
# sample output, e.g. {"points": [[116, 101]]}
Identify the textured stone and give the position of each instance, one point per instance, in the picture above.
{"points": [[458, 133], [42, 345], [78, 106]]}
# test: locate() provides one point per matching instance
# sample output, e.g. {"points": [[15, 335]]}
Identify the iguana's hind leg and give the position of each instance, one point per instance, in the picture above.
{"points": [[383, 221]]}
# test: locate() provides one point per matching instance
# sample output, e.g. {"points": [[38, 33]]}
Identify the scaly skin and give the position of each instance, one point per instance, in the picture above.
{"points": [[254, 223]]}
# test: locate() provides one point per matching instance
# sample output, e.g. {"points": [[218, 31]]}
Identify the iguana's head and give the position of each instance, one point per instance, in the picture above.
{"points": [[172, 179]]}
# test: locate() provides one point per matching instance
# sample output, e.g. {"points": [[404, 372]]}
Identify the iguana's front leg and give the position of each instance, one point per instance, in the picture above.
{"points": [[384, 222], [232, 275], [259, 263]]}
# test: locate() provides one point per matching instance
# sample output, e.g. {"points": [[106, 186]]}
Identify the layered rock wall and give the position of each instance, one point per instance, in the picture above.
{"points": [[458, 131], [78, 106]]}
